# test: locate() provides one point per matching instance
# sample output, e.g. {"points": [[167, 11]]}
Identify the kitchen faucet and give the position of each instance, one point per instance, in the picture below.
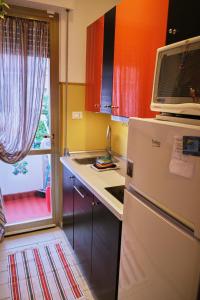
{"points": [[108, 141]]}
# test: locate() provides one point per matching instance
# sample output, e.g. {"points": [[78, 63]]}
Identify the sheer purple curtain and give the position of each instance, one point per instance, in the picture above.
{"points": [[23, 59]]}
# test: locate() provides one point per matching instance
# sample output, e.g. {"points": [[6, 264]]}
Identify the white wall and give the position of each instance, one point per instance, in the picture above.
{"points": [[84, 13], [33, 180]]}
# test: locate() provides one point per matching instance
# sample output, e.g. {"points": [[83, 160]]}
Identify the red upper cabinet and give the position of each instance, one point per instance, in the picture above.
{"points": [[140, 28], [99, 63], [94, 63]]}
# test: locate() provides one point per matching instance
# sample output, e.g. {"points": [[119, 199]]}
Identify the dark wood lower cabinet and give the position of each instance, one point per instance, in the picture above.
{"points": [[95, 234], [83, 206], [105, 252], [68, 205]]}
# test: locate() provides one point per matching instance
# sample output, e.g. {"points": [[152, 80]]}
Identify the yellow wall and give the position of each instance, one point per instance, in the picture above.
{"points": [[89, 133], [119, 137]]}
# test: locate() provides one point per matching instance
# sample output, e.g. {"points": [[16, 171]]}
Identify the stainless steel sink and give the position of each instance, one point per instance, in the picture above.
{"points": [[117, 192], [86, 160], [90, 160]]}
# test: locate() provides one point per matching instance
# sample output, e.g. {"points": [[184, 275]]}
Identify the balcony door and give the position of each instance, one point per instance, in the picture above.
{"points": [[28, 187]]}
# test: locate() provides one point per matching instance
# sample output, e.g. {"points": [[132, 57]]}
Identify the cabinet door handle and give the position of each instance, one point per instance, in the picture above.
{"points": [[174, 31], [97, 105], [111, 106], [76, 189]]}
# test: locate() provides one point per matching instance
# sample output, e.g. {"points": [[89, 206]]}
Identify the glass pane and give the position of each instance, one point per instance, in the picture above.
{"points": [[42, 139], [26, 189], [179, 75]]}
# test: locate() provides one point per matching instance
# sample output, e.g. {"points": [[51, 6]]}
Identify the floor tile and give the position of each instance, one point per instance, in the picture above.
{"points": [[83, 283], [34, 207], [88, 295]]}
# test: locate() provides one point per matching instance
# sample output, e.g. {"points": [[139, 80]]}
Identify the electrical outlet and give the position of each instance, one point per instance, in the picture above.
{"points": [[77, 115]]}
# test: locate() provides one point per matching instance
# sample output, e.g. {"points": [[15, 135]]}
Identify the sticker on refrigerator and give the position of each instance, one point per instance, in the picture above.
{"points": [[180, 164]]}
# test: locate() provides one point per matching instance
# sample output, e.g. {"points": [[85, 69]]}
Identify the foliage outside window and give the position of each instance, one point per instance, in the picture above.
{"points": [[43, 127], [20, 168], [3, 7]]}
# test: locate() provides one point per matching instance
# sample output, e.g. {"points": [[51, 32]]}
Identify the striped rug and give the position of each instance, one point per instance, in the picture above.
{"points": [[43, 273]]}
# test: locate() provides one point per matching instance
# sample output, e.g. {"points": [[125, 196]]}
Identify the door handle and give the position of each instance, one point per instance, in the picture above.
{"points": [[79, 192], [174, 31], [50, 136]]}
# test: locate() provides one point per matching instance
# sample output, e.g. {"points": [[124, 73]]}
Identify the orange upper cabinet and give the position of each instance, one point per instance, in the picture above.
{"points": [[94, 64], [140, 28], [99, 63]]}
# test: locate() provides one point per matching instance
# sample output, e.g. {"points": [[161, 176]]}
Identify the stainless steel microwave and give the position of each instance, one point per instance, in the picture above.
{"points": [[176, 87]]}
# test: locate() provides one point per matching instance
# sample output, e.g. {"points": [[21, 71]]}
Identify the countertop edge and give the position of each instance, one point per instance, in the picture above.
{"points": [[97, 194]]}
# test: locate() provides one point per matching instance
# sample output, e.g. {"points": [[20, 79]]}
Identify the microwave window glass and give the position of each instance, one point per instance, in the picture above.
{"points": [[179, 78]]}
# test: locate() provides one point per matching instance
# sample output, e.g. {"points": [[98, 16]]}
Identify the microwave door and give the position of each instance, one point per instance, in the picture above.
{"points": [[176, 86], [179, 78]]}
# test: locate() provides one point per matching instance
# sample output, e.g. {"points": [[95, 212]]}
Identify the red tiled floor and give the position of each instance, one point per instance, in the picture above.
{"points": [[24, 207]]}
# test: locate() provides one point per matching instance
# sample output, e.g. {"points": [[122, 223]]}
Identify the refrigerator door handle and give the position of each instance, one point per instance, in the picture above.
{"points": [[198, 294], [189, 231]]}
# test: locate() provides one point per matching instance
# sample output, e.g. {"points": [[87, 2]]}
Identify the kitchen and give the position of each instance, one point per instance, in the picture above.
{"points": [[86, 132]]}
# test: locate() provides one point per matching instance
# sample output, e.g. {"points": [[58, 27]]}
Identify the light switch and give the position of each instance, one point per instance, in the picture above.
{"points": [[77, 115]]}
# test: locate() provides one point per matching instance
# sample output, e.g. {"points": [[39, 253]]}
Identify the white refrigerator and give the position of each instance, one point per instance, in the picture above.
{"points": [[160, 251]]}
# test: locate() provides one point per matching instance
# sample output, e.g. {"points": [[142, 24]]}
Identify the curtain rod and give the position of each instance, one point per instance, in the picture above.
{"points": [[33, 18]]}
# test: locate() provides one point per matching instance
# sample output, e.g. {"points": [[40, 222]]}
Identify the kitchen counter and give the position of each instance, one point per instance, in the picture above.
{"points": [[97, 181]]}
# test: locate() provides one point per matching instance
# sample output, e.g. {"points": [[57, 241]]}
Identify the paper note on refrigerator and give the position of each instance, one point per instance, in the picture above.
{"points": [[180, 164]]}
